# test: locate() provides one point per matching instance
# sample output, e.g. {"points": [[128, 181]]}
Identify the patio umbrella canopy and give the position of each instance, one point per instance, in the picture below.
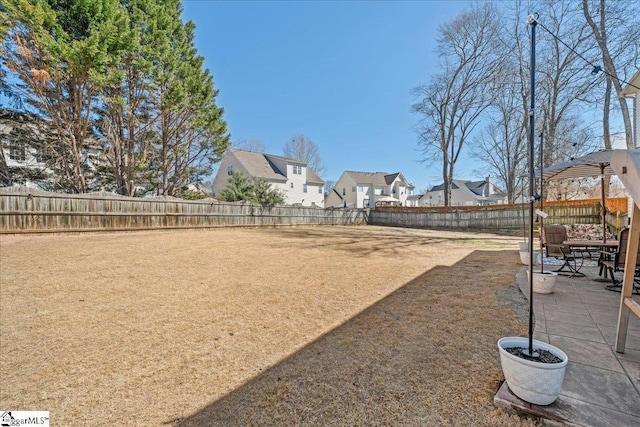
{"points": [[593, 164], [590, 165]]}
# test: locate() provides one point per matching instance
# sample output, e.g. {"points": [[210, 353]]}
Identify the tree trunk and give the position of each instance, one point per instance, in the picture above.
{"points": [[447, 183], [609, 67]]}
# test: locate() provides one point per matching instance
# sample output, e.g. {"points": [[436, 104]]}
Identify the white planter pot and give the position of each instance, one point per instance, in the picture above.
{"points": [[533, 382], [524, 257], [544, 283], [524, 246]]}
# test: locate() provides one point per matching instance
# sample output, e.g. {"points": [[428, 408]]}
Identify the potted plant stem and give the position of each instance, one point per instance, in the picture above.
{"points": [[533, 370]]}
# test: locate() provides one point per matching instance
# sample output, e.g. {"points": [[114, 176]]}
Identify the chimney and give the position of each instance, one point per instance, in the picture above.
{"points": [[489, 186]]}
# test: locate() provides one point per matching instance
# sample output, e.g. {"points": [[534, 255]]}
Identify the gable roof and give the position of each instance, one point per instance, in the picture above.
{"points": [[455, 184], [632, 86], [313, 178], [374, 178], [262, 165], [476, 187], [258, 165]]}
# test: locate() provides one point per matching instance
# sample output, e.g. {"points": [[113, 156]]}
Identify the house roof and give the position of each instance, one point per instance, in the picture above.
{"points": [[455, 184], [313, 178], [262, 165], [259, 165], [474, 186], [374, 178], [633, 85]]}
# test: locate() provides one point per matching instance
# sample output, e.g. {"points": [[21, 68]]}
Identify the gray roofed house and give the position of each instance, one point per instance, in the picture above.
{"points": [[299, 184], [366, 189], [465, 193]]}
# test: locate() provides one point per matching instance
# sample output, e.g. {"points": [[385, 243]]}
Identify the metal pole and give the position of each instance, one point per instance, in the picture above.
{"points": [[541, 218], [603, 209], [532, 180], [524, 223]]}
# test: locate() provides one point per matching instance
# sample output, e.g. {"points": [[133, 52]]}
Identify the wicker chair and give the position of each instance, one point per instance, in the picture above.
{"points": [[554, 237]]}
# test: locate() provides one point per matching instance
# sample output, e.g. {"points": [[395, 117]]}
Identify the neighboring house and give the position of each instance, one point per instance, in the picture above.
{"points": [[17, 157], [466, 193], [368, 189], [299, 184], [24, 138], [633, 91], [619, 141], [413, 200]]}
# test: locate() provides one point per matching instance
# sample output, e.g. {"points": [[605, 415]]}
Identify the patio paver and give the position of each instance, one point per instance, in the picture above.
{"points": [[601, 386]]}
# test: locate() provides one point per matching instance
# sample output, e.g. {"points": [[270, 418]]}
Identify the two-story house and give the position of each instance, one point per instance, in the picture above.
{"points": [[466, 193], [299, 184], [632, 91], [18, 160], [368, 189], [25, 141]]}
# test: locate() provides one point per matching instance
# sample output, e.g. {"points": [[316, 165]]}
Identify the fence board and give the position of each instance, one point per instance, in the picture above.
{"points": [[500, 217], [25, 210]]}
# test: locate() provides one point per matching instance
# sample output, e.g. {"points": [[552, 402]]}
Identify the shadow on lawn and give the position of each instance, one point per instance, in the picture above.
{"points": [[424, 355], [385, 240]]}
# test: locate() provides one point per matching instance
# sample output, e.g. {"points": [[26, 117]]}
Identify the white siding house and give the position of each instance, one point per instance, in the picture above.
{"points": [[299, 184], [632, 91], [24, 138], [366, 189], [465, 193]]}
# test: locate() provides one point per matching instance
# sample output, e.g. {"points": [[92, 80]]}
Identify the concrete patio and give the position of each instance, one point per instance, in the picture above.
{"points": [[601, 386]]}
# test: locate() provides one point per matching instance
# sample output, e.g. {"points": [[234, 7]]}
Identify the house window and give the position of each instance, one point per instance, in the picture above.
{"points": [[353, 189], [229, 170], [17, 151], [297, 169], [320, 189], [344, 191], [292, 185], [304, 187], [41, 156]]}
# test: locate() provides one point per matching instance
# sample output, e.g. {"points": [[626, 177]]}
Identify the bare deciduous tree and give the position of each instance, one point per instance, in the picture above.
{"points": [[253, 145], [503, 144], [304, 149], [452, 103], [564, 79], [617, 37], [563, 83]]}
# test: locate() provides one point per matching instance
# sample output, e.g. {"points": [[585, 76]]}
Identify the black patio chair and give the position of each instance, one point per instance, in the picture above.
{"points": [[617, 264], [554, 238]]}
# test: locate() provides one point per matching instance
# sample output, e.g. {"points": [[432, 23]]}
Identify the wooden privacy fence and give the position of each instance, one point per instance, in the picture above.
{"points": [[501, 217], [26, 211]]}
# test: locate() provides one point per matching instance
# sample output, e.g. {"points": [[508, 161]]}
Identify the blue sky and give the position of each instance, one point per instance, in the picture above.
{"points": [[339, 72]]}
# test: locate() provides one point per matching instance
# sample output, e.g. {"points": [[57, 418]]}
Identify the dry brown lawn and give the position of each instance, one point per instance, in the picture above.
{"points": [[313, 326]]}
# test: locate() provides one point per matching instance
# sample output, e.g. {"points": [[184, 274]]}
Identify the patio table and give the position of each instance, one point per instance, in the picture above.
{"points": [[603, 248]]}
